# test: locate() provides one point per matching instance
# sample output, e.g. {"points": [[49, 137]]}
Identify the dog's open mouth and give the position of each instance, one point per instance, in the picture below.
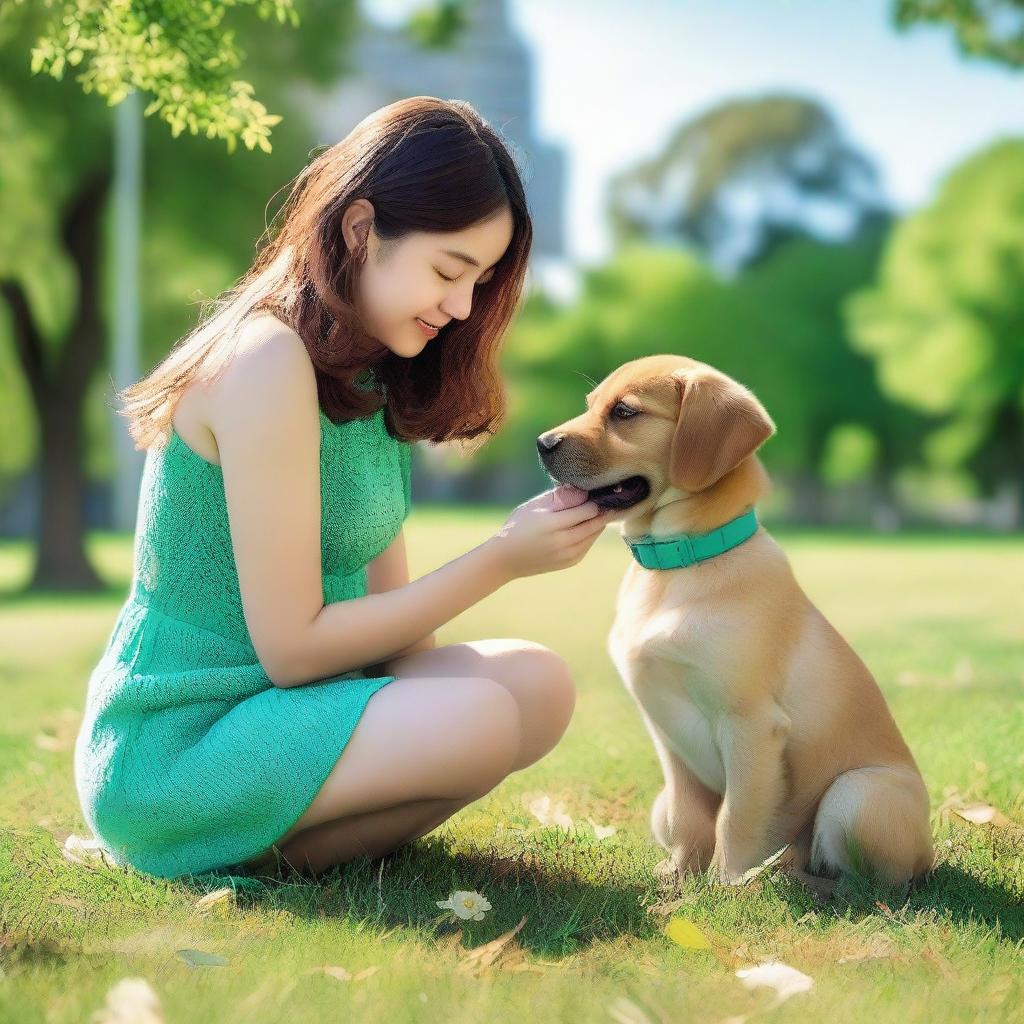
{"points": [[624, 494]]}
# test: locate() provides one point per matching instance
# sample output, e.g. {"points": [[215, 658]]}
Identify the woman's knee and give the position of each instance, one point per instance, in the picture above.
{"points": [[489, 729], [545, 691], [422, 739]]}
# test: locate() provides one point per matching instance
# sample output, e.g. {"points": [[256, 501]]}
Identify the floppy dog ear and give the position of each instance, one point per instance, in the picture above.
{"points": [[720, 424]]}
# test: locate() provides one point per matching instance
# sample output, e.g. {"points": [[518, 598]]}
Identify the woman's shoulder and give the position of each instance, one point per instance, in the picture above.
{"points": [[269, 356], [268, 383]]}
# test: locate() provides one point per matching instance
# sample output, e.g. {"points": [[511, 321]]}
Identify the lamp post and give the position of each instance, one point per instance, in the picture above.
{"points": [[124, 356]]}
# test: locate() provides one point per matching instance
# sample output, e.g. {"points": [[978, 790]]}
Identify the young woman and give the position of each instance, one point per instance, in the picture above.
{"points": [[272, 685]]}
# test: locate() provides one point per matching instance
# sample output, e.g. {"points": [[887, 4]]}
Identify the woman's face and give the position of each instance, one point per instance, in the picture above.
{"points": [[419, 277]]}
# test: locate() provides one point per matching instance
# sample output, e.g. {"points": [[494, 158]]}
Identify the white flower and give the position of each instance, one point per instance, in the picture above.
{"points": [[467, 905]]}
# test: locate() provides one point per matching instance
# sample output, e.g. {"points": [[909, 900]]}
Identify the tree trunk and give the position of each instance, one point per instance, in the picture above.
{"points": [[58, 387]]}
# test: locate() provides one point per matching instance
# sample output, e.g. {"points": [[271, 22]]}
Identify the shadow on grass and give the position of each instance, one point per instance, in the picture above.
{"points": [[573, 894]]}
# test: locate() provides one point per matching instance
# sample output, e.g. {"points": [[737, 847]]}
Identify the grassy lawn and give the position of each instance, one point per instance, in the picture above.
{"points": [[937, 618]]}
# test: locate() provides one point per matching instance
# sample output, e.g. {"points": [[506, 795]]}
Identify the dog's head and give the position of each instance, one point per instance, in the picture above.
{"points": [[655, 423]]}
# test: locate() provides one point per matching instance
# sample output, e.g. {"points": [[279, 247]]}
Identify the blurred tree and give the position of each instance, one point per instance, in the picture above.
{"points": [[993, 29], [819, 389], [744, 177], [204, 209], [945, 320], [778, 328]]}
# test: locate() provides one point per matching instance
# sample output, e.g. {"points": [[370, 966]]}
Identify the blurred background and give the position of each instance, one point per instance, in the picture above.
{"points": [[824, 200]]}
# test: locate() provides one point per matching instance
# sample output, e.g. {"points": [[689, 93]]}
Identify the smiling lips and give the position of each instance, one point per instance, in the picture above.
{"points": [[429, 329]]}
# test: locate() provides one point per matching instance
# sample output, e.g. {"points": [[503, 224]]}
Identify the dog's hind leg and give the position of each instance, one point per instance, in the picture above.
{"points": [[874, 821]]}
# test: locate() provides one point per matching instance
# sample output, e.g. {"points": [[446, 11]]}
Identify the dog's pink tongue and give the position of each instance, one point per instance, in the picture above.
{"points": [[567, 496]]}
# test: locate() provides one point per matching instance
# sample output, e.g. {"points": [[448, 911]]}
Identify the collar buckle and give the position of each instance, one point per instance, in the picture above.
{"points": [[685, 552]]}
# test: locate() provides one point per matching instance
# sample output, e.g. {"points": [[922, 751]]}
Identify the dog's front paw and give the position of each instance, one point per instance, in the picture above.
{"points": [[724, 871], [666, 872]]}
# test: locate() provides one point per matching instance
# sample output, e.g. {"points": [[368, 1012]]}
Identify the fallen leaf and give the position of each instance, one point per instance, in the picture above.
{"points": [[87, 852], [981, 814], [625, 1011], [547, 814], [219, 897], [784, 980], [200, 958], [686, 934], [338, 973], [666, 909], [130, 1001], [485, 955], [877, 947]]}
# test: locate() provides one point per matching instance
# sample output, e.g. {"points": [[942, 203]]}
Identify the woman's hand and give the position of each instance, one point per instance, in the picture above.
{"points": [[553, 530]]}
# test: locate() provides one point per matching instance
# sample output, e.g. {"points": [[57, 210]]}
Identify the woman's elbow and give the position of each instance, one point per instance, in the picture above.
{"points": [[282, 668]]}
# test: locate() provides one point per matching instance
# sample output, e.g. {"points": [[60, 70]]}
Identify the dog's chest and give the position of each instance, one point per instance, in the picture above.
{"points": [[664, 664]]}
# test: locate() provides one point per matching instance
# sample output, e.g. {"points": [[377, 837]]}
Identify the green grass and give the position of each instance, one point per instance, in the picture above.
{"points": [[937, 618]]}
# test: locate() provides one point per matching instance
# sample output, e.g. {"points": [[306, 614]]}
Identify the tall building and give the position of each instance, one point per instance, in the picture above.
{"points": [[490, 66]]}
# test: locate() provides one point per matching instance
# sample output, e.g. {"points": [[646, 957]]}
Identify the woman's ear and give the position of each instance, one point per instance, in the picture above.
{"points": [[356, 222], [720, 424]]}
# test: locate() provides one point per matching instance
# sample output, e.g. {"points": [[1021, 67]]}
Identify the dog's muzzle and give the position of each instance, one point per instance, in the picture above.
{"points": [[621, 495]]}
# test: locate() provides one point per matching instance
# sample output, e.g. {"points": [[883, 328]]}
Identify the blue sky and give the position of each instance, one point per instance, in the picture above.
{"points": [[614, 78]]}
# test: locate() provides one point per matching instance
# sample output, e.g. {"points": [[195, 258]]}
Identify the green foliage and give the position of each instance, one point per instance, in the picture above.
{"points": [[777, 328], [984, 28], [436, 26], [204, 209], [945, 320], [175, 50]]}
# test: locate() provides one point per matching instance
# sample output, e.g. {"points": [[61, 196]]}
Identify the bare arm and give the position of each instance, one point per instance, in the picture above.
{"points": [[388, 571], [265, 418]]}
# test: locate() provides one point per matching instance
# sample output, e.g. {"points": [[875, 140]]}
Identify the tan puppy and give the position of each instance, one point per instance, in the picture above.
{"points": [[769, 728]]}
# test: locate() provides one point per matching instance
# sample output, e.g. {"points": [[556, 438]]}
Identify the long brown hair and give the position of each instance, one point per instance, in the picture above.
{"points": [[426, 165]]}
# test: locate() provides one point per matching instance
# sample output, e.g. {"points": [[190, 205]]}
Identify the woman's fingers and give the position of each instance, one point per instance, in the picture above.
{"points": [[581, 531], [569, 517]]}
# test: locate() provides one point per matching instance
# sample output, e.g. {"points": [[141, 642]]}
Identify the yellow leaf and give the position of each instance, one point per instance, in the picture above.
{"points": [[686, 934], [215, 898]]}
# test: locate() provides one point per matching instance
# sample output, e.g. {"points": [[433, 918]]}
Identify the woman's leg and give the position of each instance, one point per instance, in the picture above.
{"points": [[543, 693], [438, 739], [374, 834], [538, 679]]}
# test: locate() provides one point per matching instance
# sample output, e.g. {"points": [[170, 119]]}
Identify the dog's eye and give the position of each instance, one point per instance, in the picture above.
{"points": [[621, 411]]}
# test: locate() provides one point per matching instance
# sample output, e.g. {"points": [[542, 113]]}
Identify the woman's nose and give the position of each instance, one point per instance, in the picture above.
{"points": [[459, 305]]}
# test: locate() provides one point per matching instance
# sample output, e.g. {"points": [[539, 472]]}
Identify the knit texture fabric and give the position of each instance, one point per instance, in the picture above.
{"points": [[189, 759]]}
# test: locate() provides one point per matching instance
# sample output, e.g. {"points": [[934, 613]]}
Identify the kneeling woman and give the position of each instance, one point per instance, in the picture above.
{"points": [[271, 685]]}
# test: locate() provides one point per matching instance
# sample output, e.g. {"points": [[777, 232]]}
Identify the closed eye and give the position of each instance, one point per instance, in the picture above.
{"points": [[450, 279]]}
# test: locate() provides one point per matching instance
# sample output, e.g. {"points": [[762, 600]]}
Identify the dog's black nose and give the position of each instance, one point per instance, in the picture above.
{"points": [[548, 442]]}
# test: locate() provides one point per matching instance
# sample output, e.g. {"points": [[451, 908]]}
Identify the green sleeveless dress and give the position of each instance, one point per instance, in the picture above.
{"points": [[189, 759]]}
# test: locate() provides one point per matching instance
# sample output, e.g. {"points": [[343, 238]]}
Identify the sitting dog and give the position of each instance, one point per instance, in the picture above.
{"points": [[771, 731]]}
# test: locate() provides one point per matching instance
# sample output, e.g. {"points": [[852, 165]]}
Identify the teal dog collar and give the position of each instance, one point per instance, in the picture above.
{"points": [[683, 549]]}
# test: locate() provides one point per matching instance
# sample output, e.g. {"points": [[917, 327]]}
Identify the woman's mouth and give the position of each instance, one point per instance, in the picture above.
{"points": [[428, 329]]}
